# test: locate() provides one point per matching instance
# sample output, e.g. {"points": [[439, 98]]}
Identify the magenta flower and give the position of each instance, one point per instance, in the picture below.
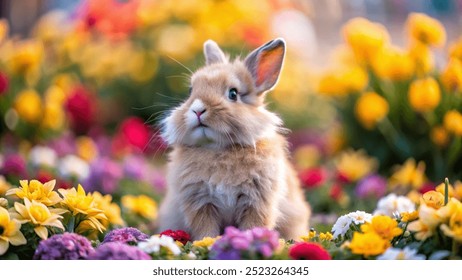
{"points": [[371, 186], [118, 251]]}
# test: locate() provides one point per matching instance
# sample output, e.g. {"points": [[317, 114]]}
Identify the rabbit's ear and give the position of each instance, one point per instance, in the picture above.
{"points": [[213, 53], [265, 64]]}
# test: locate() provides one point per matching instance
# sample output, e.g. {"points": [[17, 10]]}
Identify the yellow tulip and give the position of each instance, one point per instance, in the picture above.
{"points": [[423, 58], [439, 136], [393, 63], [28, 105], [451, 77], [365, 38], [424, 95], [426, 29], [455, 49], [452, 121], [370, 109]]}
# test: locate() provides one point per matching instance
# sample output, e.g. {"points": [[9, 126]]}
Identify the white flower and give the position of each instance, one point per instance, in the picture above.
{"points": [[154, 243], [73, 166], [341, 226], [392, 205], [360, 217], [401, 254], [43, 156], [192, 256]]}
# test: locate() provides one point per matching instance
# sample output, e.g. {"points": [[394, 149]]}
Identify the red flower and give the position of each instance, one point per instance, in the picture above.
{"points": [[313, 177], [308, 251], [44, 176], [81, 108], [132, 133], [177, 235], [4, 83], [427, 187], [342, 178], [336, 191]]}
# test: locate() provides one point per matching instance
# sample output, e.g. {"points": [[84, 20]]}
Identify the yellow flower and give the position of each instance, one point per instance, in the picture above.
{"points": [[409, 174], [39, 216], [393, 63], [423, 58], [3, 203], [53, 116], [433, 199], [80, 203], [365, 38], [409, 216], [386, 227], [86, 148], [415, 196], [451, 77], [439, 136], [440, 189], [205, 242], [142, 205], [342, 81], [4, 28], [4, 186], [422, 231], [452, 121], [28, 105], [370, 109], [426, 29], [354, 165], [455, 49], [454, 229], [368, 244], [9, 232], [307, 156], [326, 236], [311, 235], [110, 209], [424, 95], [36, 191], [26, 57], [457, 190]]}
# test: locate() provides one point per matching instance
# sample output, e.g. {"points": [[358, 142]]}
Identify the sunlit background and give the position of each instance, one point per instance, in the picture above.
{"points": [[371, 90]]}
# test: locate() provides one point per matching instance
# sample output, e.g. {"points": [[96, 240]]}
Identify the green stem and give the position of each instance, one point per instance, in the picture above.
{"points": [[71, 224]]}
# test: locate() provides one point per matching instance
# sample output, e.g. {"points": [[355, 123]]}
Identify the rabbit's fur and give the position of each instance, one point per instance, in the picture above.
{"points": [[229, 164]]}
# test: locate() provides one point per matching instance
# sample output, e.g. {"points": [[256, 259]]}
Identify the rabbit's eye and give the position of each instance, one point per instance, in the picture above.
{"points": [[232, 94]]}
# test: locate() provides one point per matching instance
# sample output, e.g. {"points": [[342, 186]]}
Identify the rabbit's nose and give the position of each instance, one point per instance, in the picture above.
{"points": [[199, 113]]}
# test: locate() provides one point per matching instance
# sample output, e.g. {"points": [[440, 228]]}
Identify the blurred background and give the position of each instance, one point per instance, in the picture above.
{"points": [[370, 89]]}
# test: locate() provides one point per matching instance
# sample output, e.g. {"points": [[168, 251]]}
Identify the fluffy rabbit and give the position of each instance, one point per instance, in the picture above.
{"points": [[229, 163]]}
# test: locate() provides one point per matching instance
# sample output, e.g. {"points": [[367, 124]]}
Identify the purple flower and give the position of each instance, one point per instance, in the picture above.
{"points": [[127, 235], [118, 251], [66, 246], [104, 176], [14, 165], [135, 167], [157, 179], [255, 243], [371, 186], [65, 145]]}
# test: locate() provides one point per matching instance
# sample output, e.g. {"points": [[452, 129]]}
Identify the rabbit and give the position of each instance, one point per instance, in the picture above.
{"points": [[229, 163]]}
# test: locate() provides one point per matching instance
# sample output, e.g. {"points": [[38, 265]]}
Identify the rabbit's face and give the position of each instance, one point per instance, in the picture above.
{"points": [[225, 106]]}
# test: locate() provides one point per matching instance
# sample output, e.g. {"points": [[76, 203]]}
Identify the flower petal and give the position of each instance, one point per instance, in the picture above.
{"points": [[49, 186], [21, 209], [11, 191], [3, 246], [18, 239], [42, 232]]}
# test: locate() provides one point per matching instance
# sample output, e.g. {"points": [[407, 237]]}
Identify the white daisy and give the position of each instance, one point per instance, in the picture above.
{"points": [[360, 217], [73, 166], [154, 243], [392, 205], [401, 254], [341, 226], [43, 156]]}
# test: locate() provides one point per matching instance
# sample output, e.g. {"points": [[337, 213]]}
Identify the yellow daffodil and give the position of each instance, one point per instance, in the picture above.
{"points": [[409, 216], [452, 121], [384, 226], [394, 64], [409, 174], [39, 216], [433, 199], [370, 109], [28, 105], [424, 95], [110, 209], [439, 136], [368, 244], [36, 191], [354, 165], [326, 236], [365, 38], [4, 186], [206, 241], [425, 29], [451, 77], [9, 232], [141, 205]]}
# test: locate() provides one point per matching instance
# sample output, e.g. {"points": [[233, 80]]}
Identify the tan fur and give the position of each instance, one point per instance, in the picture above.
{"points": [[236, 170]]}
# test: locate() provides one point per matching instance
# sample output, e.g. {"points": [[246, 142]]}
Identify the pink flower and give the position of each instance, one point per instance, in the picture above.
{"points": [[81, 108], [4, 83], [313, 177], [308, 251]]}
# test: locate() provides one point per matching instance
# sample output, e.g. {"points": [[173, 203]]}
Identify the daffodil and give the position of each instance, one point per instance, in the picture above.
{"points": [[354, 165], [36, 191], [410, 174], [110, 209], [141, 205], [39, 216], [368, 244], [9, 232], [384, 226]]}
